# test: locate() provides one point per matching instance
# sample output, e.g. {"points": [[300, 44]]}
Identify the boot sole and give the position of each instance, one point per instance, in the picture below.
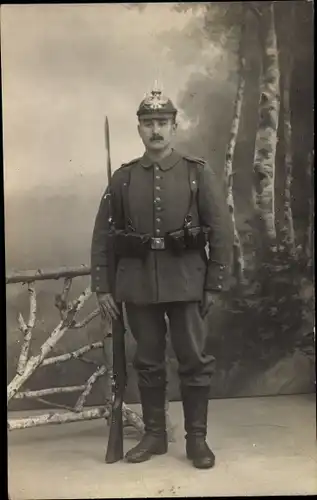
{"points": [[207, 466], [145, 458]]}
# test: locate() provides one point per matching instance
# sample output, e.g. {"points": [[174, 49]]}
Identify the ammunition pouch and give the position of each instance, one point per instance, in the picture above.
{"points": [[175, 241], [194, 238], [136, 245], [131, 244]]}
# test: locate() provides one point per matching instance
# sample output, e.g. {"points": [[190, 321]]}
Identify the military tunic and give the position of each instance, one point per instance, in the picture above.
{"points": [[158, 196]]}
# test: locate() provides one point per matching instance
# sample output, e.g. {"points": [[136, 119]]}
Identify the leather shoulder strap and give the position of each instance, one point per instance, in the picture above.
{"points": [[132, 162], [195, 160], [126, 169], [193, 185]]}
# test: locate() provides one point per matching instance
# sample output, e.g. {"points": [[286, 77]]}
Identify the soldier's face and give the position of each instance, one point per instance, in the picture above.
{"points": [[157, 132]]}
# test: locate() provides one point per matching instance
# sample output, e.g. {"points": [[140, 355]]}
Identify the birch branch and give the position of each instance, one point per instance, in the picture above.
{"points": [[87, 320], [72, 355], [51, 390], [92, 379], [61, 299], [22, 325], [56, 405], [27, 331], [55, 336], [89, 361], [66, 288], [57, 418], [47, 274], [132, 418]]}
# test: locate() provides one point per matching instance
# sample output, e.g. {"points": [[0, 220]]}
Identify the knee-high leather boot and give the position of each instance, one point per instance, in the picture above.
{"points": [[154, 440], [195, 405]]}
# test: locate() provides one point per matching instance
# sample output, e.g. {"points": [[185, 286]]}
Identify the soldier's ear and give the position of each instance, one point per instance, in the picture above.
{"points": [[175, 125]]}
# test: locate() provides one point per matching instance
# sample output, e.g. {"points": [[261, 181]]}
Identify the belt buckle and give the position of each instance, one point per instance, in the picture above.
{"points": [[158, 244]]}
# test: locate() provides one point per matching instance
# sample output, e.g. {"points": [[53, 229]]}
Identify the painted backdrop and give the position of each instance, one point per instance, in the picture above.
{"points": [[64, 67]]}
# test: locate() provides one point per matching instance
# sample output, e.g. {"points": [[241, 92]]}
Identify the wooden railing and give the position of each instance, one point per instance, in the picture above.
{"points": [[27, 364]]}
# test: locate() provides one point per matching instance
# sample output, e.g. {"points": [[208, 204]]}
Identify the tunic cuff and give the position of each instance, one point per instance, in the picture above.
{"points": [[99, 279], [217, 277]]}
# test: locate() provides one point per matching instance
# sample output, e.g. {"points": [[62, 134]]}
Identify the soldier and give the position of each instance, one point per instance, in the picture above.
{"points": [[166, 207]]}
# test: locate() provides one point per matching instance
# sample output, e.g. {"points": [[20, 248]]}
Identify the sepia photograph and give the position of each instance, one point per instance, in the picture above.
{"points": [[158, 166]]}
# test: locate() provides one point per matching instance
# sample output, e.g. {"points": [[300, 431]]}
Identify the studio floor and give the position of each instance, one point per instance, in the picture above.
{"points": [[263, 446]]}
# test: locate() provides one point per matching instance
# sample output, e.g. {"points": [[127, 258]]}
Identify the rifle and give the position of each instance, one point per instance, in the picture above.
{"points": [[114, 451]]}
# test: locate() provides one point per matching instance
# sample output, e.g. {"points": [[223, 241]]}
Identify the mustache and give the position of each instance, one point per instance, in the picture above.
{"points": [[157, 138]]}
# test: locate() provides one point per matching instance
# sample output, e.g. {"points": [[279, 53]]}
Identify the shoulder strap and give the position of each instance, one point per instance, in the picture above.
{"points": [[125, 196], [195, 160], [135, 160], [193, 185]]}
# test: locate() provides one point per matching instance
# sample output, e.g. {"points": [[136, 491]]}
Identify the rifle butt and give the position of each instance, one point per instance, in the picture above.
{"points": [[114, 451]]}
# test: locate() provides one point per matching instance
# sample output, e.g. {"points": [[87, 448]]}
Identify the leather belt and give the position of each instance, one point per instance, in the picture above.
{"points": [[158, 244]]}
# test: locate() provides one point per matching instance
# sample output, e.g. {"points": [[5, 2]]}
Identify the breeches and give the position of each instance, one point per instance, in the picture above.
{"points": [[188, 336]]}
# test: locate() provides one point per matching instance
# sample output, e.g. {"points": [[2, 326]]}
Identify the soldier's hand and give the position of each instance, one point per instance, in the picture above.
{"points": [[209, 300], [108, 307]]}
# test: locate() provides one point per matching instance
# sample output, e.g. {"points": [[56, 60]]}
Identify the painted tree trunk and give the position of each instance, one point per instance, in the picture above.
{"points": [[286, 64], [266, 137], [288, 229], [308, 249], [237, 246]]}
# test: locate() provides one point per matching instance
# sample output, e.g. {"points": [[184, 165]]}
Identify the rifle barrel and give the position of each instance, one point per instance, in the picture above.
{"points": [[107, 144], [114, 451]]}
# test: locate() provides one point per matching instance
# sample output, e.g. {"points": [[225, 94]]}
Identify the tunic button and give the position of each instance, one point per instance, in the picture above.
{"points": [[158, 209], [221, 278], [157, 177], [158, 220], [97, 288], [97, 278], [219, 287], [97, 268], [158, 231], [157, 168], [157, 199], [158, 188]]}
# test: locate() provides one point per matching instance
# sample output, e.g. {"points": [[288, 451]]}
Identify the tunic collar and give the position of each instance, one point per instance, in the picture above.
{"points": [[165, 164]]}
